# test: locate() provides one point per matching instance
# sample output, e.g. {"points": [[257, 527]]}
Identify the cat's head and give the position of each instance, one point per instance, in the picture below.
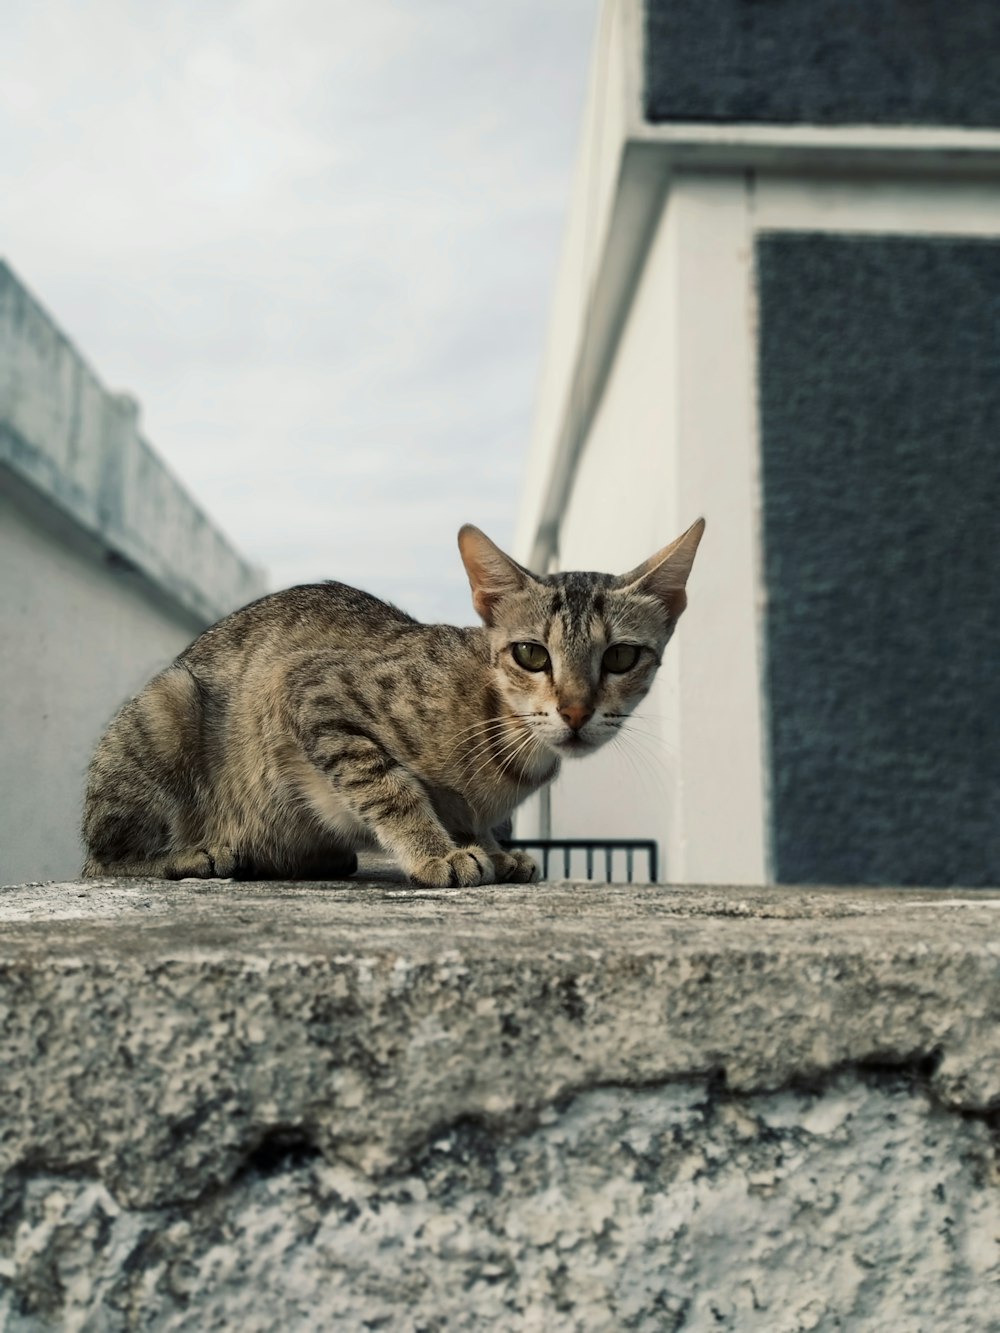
{"points": [[573, 654]]}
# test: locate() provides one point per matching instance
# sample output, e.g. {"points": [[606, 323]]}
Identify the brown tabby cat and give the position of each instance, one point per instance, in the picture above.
{"points": [[320, 720]]}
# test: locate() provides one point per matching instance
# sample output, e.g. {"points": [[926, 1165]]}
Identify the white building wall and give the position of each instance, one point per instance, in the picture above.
{"points": [[672, 439], [78, 637], [621, 509]]}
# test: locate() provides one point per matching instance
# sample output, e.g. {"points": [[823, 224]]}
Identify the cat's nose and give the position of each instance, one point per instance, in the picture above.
{"points": [[576, 715]]}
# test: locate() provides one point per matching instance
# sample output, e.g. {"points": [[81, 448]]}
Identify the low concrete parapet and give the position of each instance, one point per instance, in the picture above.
{"points": [[564, 1106], [70, 441]]}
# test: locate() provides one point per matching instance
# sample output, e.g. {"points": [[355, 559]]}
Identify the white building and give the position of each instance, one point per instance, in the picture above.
{"points": [[107, 570], [778, 307]]}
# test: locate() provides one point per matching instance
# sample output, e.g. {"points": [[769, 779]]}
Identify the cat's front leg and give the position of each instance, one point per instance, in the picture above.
{"points": [[362, 777]]}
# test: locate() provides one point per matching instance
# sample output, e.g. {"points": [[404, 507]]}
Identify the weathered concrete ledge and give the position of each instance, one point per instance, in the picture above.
{"points": [[553, 1106]]}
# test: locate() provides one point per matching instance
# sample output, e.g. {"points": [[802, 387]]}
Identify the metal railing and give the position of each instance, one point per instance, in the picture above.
{"points": [[589, 849]]}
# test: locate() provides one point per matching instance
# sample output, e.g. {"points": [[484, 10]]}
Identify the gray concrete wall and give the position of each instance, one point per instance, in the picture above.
{"points": [[107, 570], [81, 447], [79, 636], [540, 1107]]}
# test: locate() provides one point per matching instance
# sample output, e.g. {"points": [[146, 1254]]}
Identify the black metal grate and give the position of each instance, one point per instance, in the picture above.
{"points": [[583, 853]]}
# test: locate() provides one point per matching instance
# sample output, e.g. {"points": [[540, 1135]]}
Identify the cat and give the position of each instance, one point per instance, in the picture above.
{"points": [[319, 720]]}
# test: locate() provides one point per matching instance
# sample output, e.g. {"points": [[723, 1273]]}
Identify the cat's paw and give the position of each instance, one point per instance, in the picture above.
{"points": [[515, 867], [462, 868], [202, 863]]}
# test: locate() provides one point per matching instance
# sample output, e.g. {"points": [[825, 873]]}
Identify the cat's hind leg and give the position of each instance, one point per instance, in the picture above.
{"points": [[145, 799], [96, 869], [124, 836], [196, 863]]}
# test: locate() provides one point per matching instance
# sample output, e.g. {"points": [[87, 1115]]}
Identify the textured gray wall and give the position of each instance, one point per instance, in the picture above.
{"points": [[828, 62], [880, 417]]}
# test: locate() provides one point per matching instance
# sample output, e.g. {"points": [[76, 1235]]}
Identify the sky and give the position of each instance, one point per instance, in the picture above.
{"points": [[317, 241]]}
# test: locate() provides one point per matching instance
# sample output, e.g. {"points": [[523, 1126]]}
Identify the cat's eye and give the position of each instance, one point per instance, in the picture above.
{"points": [[620, 657], [531, 656]]}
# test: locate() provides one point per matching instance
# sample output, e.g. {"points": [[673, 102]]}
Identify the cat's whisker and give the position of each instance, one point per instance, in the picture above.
{"points": [[645, 733], [633, 766], [488, 745], [654, 763], [657, 752], [515, 745], [505, 758], [494, 727], [470, 733], [495, 745], [620, 748], [481, 724], [657, 743], [485, 732], [654, 737], [530, 745]]}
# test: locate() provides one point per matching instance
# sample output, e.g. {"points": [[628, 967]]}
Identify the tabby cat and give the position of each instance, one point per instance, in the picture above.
{"points": [[320, 720]]}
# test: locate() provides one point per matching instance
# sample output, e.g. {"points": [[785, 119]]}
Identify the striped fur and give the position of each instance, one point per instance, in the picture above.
{"points": [[320, 720]]}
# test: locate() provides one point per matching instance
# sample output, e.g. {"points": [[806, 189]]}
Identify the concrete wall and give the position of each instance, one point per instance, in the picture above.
{"points": [[79, 636], [82, 448], [107, 570], [291, 1107]]}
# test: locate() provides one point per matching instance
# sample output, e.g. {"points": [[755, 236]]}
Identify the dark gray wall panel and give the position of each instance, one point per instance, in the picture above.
{"points": [[880, 420], [827, 62]]}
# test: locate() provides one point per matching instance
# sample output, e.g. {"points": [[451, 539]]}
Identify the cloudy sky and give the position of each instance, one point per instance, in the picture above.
{"points": [[317, 240]]}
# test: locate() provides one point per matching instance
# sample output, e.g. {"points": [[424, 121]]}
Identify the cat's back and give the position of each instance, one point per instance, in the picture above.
{"points": [[309, 617]]}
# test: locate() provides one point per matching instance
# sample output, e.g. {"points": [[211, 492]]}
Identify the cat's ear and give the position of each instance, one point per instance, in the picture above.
{"points": [[665, 574], [492, 574]]}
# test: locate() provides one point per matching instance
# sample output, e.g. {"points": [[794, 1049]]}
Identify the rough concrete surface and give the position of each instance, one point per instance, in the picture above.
{"points": [[539, 1107]]}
